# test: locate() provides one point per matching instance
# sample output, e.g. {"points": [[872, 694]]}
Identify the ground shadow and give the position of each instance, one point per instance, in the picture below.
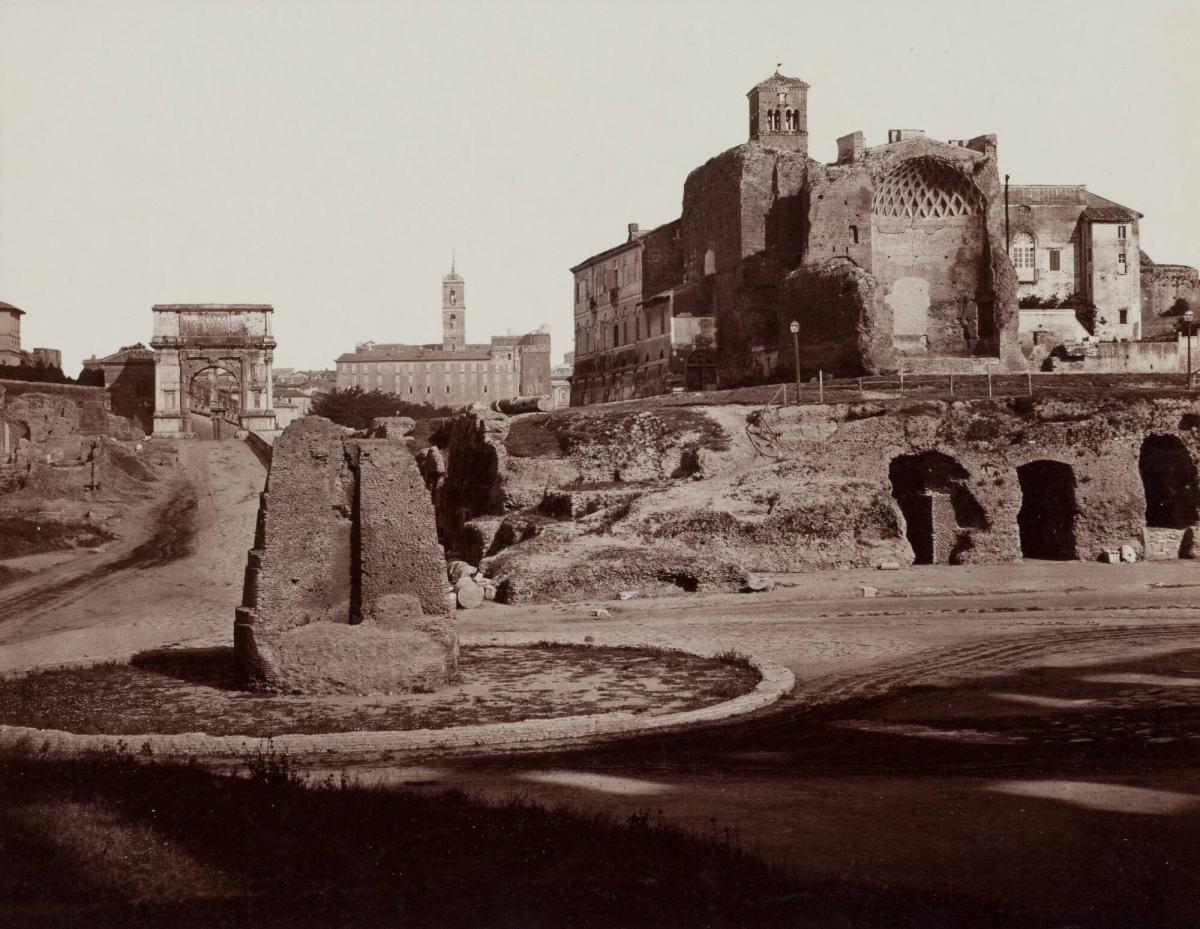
{"points": [[210, 667]]}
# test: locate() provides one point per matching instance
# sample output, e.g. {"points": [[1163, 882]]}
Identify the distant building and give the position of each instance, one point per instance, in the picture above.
{"points": [[454, 372], [1066, 241], [10, 334], [1168, 291], [560, 382], [129, 377], [290, 404], [51, 357]]}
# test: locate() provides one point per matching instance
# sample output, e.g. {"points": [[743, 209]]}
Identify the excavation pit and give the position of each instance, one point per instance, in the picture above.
{"points": [[176, 691]]}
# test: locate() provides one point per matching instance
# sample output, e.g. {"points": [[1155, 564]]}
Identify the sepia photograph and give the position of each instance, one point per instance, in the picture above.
{"points": [[651, 464]]}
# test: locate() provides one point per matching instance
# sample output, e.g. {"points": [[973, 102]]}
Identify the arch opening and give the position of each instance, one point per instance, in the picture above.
{"points": [[1046, 520], [1170, 482], [940, 512]]}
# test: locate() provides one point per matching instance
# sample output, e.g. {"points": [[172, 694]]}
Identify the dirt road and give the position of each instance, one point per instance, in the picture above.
{"points": [[175, 579]]}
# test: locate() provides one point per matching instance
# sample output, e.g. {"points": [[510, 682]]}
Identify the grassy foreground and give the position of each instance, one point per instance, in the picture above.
{"points": [[111, 842]]}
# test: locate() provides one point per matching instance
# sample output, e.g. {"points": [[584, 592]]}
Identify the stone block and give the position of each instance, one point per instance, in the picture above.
{"points": [[345, 589]]}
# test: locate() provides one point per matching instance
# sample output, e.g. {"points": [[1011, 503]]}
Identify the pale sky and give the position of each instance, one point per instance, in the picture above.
{"points": [[325, 157]]}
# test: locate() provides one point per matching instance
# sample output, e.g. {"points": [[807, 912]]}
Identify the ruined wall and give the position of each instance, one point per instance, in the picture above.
{"points": [[344, 588], [834, 302], [643, 500], [1162, 285]]}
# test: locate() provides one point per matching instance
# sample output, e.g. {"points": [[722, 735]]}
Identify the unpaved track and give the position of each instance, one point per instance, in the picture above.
{"points": [[177, 580]]}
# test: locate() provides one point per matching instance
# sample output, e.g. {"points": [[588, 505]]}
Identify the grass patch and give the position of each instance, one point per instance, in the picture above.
{"points": [[109, 842], [21, 535], [190, 690]]}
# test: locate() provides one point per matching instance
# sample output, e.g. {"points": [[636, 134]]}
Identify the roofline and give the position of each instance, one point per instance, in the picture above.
{"points": [[12, 309], [210, 307], [629, 243]]}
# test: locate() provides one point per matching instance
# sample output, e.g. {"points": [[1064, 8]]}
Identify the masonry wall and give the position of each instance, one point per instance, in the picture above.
{"points": [[1161, 286]]}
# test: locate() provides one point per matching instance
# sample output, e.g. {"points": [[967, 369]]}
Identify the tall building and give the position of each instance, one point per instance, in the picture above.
{"points": [[10, 334], [453, 372], [892, 257]]}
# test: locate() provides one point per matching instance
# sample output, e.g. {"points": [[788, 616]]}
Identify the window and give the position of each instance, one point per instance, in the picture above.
{"points": [[1122, 232], [428, 389], [485, 388], [410, 389], [447, 388], [1055, 259], [1023, 256], [1124, 314], [710, 262], [854, 234], [616, 336]]}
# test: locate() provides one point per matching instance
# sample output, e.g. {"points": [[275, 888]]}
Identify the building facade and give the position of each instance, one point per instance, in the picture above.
{"points": [[1071, 245], [10, 334], [893, 257], [129, 378], [454, 372]]}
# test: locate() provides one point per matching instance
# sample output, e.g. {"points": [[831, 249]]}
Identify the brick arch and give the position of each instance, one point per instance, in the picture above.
{"points": [[925, 188]]}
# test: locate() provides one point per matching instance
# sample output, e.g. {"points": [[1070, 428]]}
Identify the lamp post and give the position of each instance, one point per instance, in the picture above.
{"points": [[1187, 328], [795, 327]]}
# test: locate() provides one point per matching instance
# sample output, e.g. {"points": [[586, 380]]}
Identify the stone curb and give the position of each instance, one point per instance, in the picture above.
{"points": [[775, 682]]}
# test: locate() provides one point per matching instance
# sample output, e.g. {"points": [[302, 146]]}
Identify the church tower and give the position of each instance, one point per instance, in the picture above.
{"points": [[454, 314], [779, 113]]}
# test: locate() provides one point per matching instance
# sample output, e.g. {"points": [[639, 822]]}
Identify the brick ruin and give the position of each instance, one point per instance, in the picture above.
{"points": [[698, 498], [49, 434], [345, 588], [891, 257]]}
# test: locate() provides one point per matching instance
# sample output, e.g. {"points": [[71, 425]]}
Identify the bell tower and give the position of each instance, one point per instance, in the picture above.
{"points": [[779, 113], [454, 314]]}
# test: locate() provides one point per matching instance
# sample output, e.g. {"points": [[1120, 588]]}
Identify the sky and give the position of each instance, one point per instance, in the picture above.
{"points": [[329, 157]]}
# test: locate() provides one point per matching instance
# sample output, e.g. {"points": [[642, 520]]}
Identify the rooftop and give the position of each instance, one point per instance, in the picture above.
{"points": [[211, 307], [9, 308], [779, 80]]}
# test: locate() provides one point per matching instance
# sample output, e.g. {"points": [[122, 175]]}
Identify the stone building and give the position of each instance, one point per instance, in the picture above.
{"points": [[453, 372], [1066, 241], [892, 257], [129, 377], [10, 334], [1168, 291]]}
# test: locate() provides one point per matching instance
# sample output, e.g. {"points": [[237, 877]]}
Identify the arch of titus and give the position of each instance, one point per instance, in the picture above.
{"points": [[190, 338]]}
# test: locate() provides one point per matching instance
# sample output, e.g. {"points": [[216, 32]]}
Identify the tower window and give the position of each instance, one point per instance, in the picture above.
{"points": [[453, 296], [854, 234]]}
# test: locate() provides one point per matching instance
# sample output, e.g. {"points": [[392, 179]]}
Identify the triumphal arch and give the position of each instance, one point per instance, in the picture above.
{"points": [[199, 346]]}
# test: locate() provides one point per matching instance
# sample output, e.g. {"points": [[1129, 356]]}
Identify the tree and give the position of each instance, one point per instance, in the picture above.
{"points": [[1179, 307], [355, 407]]}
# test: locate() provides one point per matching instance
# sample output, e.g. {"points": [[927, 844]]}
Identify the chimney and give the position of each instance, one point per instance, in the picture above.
{"points": [[633, 232]]}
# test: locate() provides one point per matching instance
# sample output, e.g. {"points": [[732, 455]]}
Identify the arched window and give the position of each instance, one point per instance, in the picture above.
{"points": [[777, 121], [710, 262], [854, 234], [787, 121], [1023, 253], [453, 297]]}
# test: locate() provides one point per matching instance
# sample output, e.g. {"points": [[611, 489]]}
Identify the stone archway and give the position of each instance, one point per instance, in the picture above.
{"points": [[940, 512], [1046, 520], [190, 338]]}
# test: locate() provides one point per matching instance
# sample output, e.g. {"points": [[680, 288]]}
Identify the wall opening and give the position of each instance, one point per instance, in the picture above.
{"points": [[939, 509], [1170, 481], [1046, 519]]}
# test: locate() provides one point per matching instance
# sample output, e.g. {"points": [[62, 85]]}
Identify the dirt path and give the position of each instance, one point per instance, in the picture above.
{"points": [[176, 582]]}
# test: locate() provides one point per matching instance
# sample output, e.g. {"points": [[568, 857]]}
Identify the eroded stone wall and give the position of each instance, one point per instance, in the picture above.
{"points": [[344, 589]]}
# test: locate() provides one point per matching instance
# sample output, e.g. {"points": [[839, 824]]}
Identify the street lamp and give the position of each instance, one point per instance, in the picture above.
{"points": [[1187, 324], [795, 327]]}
